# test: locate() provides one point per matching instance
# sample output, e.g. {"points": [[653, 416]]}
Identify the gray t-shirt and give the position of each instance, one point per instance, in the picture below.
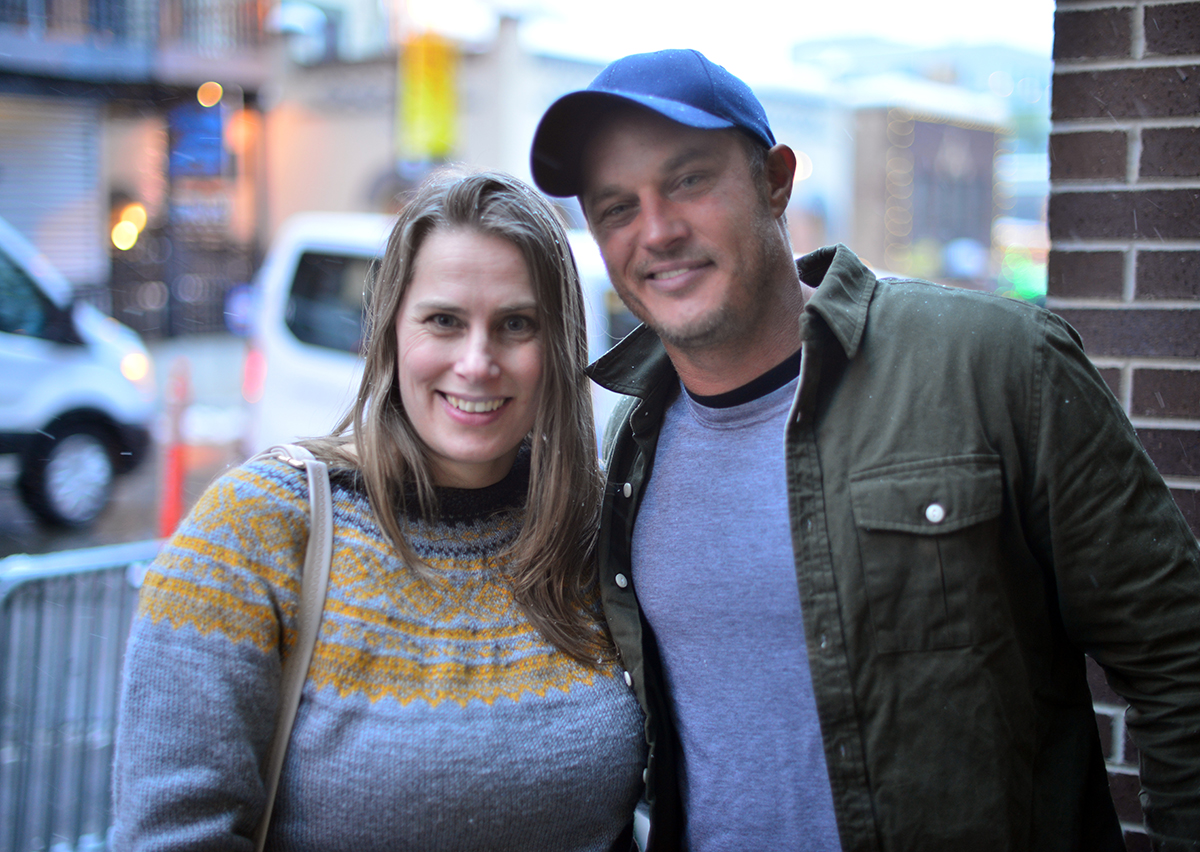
{"points": [[716, 578]]}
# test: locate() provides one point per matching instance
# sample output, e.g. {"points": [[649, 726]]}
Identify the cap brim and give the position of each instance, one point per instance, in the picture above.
{"points": [[557, 152]]}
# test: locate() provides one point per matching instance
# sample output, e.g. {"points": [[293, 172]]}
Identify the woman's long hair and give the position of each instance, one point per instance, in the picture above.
{"points": [[553, 555]]}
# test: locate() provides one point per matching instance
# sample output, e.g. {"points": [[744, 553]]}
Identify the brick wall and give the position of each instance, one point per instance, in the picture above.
{"points": [[1125, 246]]}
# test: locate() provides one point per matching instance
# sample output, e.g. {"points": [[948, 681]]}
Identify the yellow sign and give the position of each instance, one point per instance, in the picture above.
{"points": [[426, 99]]}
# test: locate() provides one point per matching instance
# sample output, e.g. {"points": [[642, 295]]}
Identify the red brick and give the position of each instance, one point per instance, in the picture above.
{"points": [[1093, 33], [1128, 333], [1088, 156], [1168, 275], [1175, 452], [1086, 274], [1125, 790], [1172, 29], [1158, 92], [1163, 214], [1137, 841], [1102, 693], [1168, 152], [1188, 502], [1112, 378], [1166, 393], [1104, 724]]}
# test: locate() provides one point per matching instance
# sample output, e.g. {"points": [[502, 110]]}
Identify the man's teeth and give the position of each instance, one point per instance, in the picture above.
{"points": [[472, 406], [665, 276]]}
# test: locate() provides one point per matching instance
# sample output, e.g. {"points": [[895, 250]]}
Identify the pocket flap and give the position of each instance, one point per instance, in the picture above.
{"points": [[928, 497]]}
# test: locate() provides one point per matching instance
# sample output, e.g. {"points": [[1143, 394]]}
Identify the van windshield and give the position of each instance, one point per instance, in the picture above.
{"points": [[23, 309], [325, 307]]}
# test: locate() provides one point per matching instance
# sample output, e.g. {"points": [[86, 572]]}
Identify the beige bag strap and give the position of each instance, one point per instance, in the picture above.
{"points": [[313, 583]]}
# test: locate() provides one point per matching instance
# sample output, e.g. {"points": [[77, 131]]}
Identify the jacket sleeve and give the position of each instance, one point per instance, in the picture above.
{"points": [[202, 669], [1128, 575]]}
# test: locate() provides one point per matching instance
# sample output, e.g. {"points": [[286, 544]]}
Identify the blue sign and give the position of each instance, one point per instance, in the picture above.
{"points": [[197, 143]]}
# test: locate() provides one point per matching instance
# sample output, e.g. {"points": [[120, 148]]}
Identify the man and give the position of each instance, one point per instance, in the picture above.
{"points": [[859, 534]]}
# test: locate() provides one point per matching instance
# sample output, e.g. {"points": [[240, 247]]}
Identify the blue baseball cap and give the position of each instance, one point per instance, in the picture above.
{"points": [[682, 85]]}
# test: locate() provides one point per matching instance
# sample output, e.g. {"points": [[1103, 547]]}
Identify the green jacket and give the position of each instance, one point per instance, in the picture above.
{"points": [[971, 514]]}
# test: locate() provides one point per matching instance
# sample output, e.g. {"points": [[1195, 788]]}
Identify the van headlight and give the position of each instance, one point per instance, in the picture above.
{"points": [[136, 367]]}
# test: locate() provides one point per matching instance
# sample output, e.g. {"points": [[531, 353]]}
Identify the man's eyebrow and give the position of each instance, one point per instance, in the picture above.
{"points": [[683, 158], [601, 195]]}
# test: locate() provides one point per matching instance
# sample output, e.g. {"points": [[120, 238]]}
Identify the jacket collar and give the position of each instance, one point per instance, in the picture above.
{"points": [[844, 290], [635, 366], [638, 364]]}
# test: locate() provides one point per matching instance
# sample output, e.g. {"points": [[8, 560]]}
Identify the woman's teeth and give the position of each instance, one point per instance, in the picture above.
{"points": [[472, 406]]}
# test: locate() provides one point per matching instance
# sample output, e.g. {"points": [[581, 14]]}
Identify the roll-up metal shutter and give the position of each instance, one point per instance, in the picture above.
{"points": [[50, 187]]}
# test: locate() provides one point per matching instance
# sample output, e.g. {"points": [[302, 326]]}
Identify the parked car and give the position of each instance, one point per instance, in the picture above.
{"points": [[77, 390], [303, 365]]}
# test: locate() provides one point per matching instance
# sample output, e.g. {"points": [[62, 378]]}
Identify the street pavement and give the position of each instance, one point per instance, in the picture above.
{"points": [[211, 425]]}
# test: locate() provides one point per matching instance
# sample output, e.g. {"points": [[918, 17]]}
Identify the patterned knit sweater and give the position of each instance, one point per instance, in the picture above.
{"points": [[435, 717]]}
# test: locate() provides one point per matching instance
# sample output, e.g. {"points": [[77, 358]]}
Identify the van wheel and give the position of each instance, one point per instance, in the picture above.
{"points": [[67, 475]]}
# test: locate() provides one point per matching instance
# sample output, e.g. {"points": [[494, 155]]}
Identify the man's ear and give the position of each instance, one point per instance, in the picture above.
{"points": [[780, 173]]}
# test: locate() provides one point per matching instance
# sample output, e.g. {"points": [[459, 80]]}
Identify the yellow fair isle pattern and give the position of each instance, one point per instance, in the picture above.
{"points": [[231, 573]]}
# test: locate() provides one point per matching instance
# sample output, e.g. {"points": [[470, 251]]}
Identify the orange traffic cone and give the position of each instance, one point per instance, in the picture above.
{"points": [[178, 393]]}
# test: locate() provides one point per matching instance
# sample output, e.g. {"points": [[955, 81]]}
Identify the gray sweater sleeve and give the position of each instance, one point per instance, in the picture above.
{"points": [[202, 670]]}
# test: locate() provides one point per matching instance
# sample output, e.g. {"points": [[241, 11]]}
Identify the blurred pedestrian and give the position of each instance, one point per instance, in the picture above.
{"points": [[463, 692], [859, 533]]}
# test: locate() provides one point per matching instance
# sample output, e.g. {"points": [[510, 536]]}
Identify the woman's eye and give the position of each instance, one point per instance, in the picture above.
{"points": [[443, 320], [518, 325]]}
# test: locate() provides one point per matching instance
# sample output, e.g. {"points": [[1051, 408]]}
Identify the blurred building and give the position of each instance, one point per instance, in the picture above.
{"points": [[951, 153], [198, 126], [106, 120], [100, 120]]}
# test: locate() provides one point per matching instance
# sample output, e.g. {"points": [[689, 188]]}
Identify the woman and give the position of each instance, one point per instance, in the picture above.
{"points": [[463, 693]]}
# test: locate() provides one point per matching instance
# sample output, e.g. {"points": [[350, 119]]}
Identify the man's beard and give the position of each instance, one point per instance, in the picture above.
{"points": [[733, 319]]}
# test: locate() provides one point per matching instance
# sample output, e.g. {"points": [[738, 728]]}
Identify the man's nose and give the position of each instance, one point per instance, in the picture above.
{"points": [[664, 226]]}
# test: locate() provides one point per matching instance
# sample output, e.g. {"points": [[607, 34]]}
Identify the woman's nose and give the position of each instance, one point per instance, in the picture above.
{"points": [[476, 361]]}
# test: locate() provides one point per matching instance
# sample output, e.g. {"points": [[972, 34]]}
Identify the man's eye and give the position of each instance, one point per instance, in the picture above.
{"points": [[616, 211]]}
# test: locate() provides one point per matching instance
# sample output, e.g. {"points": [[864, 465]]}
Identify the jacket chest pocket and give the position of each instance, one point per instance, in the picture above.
{"points": [[924, 530]]}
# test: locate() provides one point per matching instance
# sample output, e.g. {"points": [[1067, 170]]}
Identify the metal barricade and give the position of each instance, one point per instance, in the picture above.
{"points": [[64, 619]]}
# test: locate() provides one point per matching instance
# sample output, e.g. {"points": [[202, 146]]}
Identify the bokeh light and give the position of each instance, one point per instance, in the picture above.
{"points": [[124, 235], [209, 94], [135, 214], [135, 366], [804, 166], [1001, 84], [131, 221]]}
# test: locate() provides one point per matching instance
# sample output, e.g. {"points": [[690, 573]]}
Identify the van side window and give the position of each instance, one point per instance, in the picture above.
{"points": [[325, 306], [23, 308]]}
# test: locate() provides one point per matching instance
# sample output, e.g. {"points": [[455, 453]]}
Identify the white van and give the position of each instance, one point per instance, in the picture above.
{"points": [[77, 392], [303, 366]]}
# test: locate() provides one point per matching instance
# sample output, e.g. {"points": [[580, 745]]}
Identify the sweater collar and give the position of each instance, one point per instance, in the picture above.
{"points": [[459, 504]]}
